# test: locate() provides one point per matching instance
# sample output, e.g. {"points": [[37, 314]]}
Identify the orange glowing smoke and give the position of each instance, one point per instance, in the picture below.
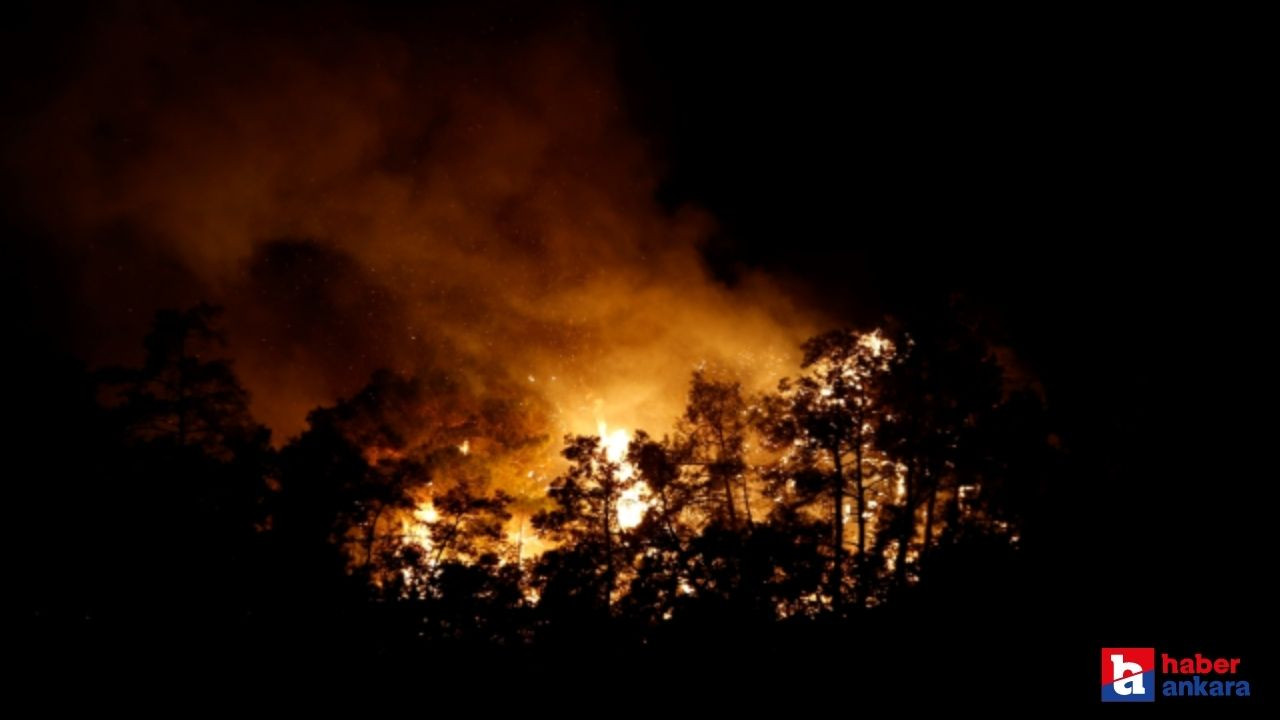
{"points": [[360, 199]]}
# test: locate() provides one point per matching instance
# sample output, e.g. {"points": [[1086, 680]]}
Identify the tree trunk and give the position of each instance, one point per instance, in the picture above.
{"points": [[860, 488], [928, 515], [673, 588], [908, 522], [608, 547], [837, 532], [372, 537], [728, 498], [448, 540], [520, 546], [728, 481]]}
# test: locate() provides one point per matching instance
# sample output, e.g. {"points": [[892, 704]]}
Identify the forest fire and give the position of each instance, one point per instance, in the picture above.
{"points": [[736, 354], [503, 256], [415, 527], [849, 444], [615, 444], [432, 338], [631, 502]]}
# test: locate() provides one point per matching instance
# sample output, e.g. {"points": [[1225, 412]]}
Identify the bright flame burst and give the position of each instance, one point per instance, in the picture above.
{"points": [[416, 529], [631, 507], [615, 445], [876, 343], [632, 503]]}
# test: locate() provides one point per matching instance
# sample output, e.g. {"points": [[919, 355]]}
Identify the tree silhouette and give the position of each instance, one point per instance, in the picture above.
{"points": [[458, 579], [181, 396], [188, 473], [700, 494], [939, 396], [661, 539], [712, 437], [384, 527], [584, 521], [468, 525], [827, 417]]}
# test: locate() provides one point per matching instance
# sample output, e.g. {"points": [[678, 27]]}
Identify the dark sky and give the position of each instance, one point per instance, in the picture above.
{"points": [[1094, 182]]}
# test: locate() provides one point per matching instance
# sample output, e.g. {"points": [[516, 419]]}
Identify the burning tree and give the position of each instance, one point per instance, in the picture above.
{"points": [[825, 422], [584, 522]]}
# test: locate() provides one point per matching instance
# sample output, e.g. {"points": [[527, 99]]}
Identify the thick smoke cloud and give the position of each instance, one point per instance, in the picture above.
{"points": [[359, 194]]}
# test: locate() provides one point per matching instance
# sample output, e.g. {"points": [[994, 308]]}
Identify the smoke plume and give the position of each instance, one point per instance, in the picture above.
{"points": [[457, 194]]}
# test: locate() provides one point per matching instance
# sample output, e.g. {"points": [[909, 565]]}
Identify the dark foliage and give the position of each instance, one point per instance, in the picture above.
{"points": [[891, 467]]}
